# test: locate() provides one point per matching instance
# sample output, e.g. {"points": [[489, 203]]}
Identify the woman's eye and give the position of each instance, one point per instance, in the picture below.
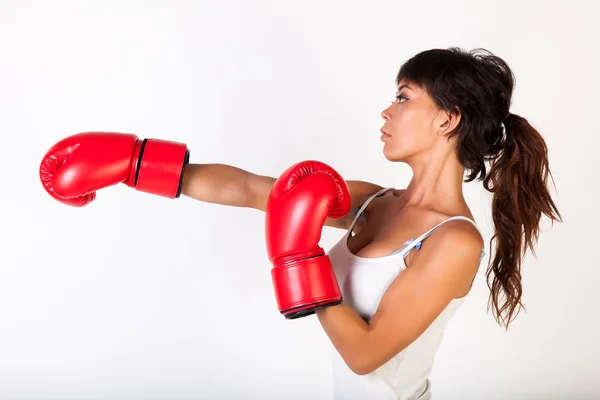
{"points": [[400, 99]]}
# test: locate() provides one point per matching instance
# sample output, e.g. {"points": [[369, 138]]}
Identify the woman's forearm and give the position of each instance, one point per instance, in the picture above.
{"points": [[216, 183], [227, 185]]}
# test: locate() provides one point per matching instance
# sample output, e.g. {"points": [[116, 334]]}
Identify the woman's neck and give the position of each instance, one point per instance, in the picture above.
{"points": [[437, 180]]}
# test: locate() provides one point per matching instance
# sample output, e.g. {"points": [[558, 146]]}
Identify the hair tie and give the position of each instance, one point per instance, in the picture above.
{"points": [[503, 125]]}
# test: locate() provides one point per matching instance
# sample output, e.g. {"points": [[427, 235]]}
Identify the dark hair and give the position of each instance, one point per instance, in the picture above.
{"points": [[480, 85]]}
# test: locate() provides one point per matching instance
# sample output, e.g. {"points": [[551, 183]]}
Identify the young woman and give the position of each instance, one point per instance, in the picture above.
{"points": [[408, 257]]}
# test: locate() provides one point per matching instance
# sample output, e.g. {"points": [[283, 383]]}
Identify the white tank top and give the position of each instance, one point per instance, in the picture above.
{"points": [[363, 281]]}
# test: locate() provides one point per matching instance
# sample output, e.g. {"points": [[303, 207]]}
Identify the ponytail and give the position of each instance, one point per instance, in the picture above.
{"points": [[517, 178]]}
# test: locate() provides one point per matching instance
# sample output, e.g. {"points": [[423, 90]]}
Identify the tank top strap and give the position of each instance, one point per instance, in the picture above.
{"points": [[417, 242], [358, 212]]}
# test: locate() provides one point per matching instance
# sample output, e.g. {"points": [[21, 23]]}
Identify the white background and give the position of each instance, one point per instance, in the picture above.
{"points": [[140, 297]]}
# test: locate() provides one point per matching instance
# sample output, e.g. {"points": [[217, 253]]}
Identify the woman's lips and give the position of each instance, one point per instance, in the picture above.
{"points": [[384, 135]]}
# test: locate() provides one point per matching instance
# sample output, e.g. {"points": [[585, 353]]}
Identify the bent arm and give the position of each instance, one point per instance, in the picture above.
{"points": [[442, 271]]}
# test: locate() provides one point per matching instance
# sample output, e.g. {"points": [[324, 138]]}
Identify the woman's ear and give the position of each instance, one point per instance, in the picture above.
{"points": [[448, 121]]}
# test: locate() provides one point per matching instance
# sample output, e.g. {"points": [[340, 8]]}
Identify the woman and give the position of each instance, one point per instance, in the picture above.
{"points": [[408, 257]]}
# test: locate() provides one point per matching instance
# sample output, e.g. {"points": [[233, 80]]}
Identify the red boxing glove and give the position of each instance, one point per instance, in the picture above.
{"points": [[300, 201], [74, 168]]}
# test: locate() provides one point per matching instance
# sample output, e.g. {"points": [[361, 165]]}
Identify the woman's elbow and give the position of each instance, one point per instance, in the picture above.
{"points": [[361, 371], [368, 362], [362, 367]]}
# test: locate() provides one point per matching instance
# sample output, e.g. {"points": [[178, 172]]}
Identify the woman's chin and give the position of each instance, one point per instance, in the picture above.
{"points": [[392, 156]]}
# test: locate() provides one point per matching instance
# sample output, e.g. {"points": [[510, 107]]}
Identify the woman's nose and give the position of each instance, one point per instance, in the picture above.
{"points": [[385, 114]]}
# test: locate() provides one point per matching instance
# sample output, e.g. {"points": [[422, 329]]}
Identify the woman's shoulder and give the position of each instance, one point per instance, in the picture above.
{"points": [[458, 234]]}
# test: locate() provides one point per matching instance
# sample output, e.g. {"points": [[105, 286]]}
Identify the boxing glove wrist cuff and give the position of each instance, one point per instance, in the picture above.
{"points": [[293, 258], [304, 285], [159, 167]]}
